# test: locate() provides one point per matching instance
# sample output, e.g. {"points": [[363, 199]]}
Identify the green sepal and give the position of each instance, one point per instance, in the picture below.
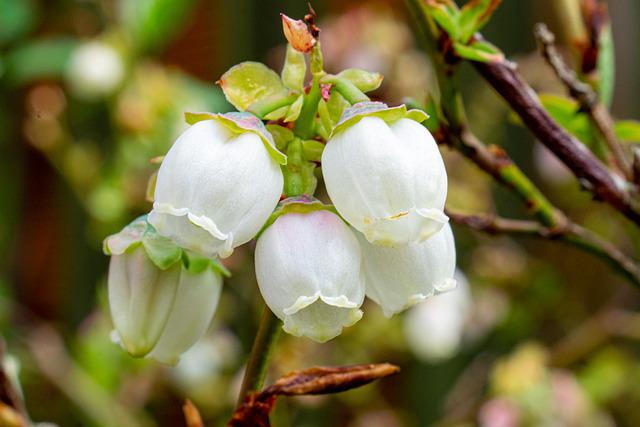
{"points": [[301, 204], [248, 82], [293, 112], [294, 69], [241, 122], [150, 191], [606, 65], [357, 112], [277, 114], [160, 250], [194, 264], [479, 51], [281, 135], [364, 80]]}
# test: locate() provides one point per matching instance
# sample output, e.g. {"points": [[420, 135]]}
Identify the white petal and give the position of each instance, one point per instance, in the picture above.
{"points": [[215, 189], [140, 298], [195, 304], [309, 272], [397, 278], [389, 182]]}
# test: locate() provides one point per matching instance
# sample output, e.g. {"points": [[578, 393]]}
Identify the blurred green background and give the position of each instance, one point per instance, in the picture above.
{"points": [[91, 90]]}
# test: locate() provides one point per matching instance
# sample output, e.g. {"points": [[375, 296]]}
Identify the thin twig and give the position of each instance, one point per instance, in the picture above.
{"points": [[569, 233], [585, 95]]}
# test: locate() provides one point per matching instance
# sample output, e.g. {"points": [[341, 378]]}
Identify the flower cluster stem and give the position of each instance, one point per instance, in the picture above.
{"points": [[256, 369]]}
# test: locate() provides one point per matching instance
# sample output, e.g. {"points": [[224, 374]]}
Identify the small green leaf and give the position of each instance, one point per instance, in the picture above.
{"points": [[628, 130], [195, 264], [294, 69], [446, 15], [249, 82], [366, 81], [356, 112], [278, 114], [433, 122], [294, 110], [473, 16], [478, 51], [606, 65]]}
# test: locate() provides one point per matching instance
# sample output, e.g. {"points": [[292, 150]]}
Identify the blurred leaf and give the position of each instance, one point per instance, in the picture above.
{"points": [[566, 112], [153, 23], [16, 19], [433, 122], [473, 16], [606, 374], [38, 59], [248, 82], [294, 70], [628, 130], [478, 51], [606, 66], [364, 80]]}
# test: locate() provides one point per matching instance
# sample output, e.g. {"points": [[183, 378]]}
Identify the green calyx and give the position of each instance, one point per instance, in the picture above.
{"points": [[241, 122], [301, 204], [160, 250], [390, 115]]}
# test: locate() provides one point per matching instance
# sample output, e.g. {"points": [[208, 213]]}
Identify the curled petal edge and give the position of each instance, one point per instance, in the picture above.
{"points": [[437, 219], [306, 300], [446, 285]]}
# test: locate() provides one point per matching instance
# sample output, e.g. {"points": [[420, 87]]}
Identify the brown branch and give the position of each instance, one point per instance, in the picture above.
{"points": [[591, 173], [585, 95], [254, 412], [569, 233]]}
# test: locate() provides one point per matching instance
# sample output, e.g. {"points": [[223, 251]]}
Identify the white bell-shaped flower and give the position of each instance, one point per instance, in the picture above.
{"points": [[217, 185], [385, 176], [435, 329], [397, 278], [161, 299], [309, 271]]}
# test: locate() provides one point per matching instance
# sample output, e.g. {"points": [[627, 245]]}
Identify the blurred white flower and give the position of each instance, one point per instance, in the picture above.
{"points": [[95, 70], [308, 267], [216, 187], [397, 278], [387, 180], [435, 328]]}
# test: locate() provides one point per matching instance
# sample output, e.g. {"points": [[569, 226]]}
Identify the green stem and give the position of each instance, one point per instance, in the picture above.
{"points": [[348, 90], [256, 370], [304, 124], [265, 106]]}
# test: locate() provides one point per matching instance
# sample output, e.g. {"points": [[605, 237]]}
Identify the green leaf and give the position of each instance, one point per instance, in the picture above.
{"points": [[606, 65], [478, 51], [277, 114], [294, 70], [473, 16], [628, 130], [249, 82], [151, 24], [445, 14], [38, 59], [433, 122], [294, 109], [356, 112], [366, 81]]}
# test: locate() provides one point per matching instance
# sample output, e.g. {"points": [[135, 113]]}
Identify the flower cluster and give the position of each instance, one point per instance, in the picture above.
{"points": [[229, 178]]}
